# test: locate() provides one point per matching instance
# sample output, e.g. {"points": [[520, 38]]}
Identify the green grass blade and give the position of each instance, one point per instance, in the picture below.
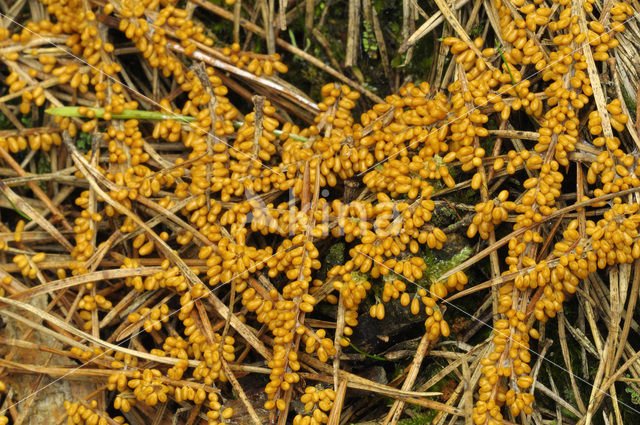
{"points": [[127, 114]]}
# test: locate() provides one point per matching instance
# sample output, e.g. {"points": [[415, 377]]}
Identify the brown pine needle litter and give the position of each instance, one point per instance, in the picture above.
{"points": [[228, 212]]}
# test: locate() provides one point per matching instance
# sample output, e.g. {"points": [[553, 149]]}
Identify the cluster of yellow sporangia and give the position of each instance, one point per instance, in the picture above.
{"points": [[569, 90], [88, 414], [490, 214], [33, 141], [89, 303], [255, 63], [29, 266], [154, 317], [317, 402], [232, 181]]}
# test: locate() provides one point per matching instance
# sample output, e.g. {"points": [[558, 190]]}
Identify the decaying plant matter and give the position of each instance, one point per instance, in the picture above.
{"points": [[224, 243]]}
